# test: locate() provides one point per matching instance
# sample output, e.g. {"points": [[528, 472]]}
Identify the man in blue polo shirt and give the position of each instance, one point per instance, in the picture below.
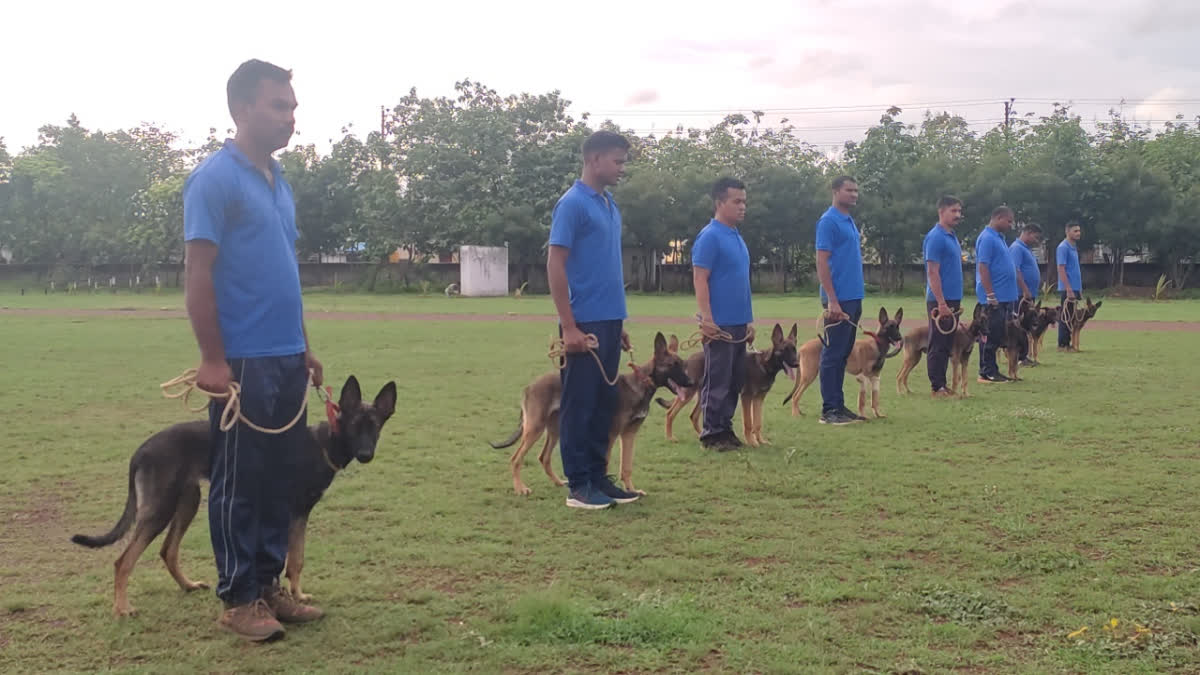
{"points": [[587, 284], [839, 269], [721, 275], [243, 299], [995, 286], [1029, 277], [1070, 282], [943, 289]]}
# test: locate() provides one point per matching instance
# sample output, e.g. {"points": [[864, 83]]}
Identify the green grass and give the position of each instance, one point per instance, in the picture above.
{"points": [[972, 535], [769, 305]]}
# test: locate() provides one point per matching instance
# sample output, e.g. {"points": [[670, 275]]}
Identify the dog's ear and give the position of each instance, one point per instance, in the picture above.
{"points": [[1097, 306], [883, 316], [351, 395], [794, 332], [899, 315], [978, 312], [673, 344], [660, 344], [777, 335], [385, 401]]}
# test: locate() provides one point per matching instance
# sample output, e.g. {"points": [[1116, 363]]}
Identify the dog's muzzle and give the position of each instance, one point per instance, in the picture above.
{"points": [[896, 347]]}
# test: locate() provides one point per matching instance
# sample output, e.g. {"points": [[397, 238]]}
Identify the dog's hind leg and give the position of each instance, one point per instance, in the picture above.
{"points": [[748, 421], [863, 383], [530, 434], [758, 421], [875, 397], [676, 405], [148, 526], [546, 457], [295, 556], [185, 511], [802, 383], [695, 417]]}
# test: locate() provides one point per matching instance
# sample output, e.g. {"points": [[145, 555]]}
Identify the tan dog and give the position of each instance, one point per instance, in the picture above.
{"points": [[761, 370], [865, 363], [916, 343], [540, 403], [1077, 317]]}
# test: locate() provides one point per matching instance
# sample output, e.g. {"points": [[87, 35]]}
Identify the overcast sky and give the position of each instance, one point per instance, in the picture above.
{"points": [[646, 64]]}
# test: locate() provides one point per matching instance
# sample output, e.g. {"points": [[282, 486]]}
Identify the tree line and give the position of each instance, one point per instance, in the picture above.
{"points": [[484, 168]]}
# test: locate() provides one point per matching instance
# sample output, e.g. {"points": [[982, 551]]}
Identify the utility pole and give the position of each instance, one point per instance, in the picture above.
{"points": [[382, 122], [1008, 108]]}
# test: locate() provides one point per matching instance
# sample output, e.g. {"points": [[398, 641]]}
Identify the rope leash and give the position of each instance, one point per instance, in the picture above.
{"points": [[937, 320], [181, 387], [558, 354], [700, 337], [823, 327]]}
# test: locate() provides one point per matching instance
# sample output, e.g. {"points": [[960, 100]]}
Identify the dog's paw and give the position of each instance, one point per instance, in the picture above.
{"points": [[522, 491], [126, 611], [880, 416]]}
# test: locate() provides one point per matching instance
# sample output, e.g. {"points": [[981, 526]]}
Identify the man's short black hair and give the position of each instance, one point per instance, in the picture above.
{"points": [[604, 141], [243, 84], [1002, 211], [842, 180], [723, 185], [947, 201], [1032, 228], [1070, 225]]}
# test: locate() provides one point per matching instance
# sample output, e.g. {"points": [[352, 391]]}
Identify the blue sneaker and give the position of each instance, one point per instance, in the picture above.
{"points": [[587, 496], [607, 487]]}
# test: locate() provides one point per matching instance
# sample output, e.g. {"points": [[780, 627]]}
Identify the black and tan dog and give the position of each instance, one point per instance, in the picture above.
{"points": [[916, 343], [1076, 318], [1046, 317], [761, 370], [166, 471], [1017, 328], [865, 363], [541, 398]]}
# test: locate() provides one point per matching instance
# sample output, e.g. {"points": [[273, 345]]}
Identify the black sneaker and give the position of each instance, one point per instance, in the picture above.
{"points": [[837, 418], [853, 415], [607, 487], [732, 439], [996, 378], [722, 441]]}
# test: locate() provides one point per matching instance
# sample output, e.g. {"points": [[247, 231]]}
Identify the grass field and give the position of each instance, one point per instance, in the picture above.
{"points": [[969, 536]]}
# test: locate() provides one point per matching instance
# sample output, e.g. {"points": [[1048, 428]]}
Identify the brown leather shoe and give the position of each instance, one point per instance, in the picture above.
{"points": [[287, 609], [253, 621]]}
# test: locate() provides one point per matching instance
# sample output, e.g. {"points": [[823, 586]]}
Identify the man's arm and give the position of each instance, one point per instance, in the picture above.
{"points": [[933, 272], [556, 273], [1024, 288], [1066, 283], [214, 374], [700, 278], [318, 371], [825, 276], [985, 278]]}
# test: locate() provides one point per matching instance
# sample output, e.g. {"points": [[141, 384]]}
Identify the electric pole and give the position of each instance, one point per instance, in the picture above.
{"points": [[1008, 108]]}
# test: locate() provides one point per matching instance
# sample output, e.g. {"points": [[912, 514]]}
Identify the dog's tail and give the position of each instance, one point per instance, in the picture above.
{"points": [[515, 435], [663, 403], [120, 528]]}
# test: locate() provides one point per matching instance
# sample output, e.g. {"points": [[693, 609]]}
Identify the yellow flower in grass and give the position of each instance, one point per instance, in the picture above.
{"points": [[1077, 634]]}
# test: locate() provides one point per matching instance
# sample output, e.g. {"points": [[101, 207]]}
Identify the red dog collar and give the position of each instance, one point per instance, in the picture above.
{"points": [[332, 410]]}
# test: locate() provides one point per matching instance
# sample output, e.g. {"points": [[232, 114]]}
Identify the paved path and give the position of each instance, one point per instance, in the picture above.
{"points": [[1096, 324]]}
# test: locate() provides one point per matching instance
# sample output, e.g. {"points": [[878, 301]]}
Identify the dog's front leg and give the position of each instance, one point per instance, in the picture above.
{"points": [[295, 556], [627, 461], [875, 397], [748, 421], [758, 422]]}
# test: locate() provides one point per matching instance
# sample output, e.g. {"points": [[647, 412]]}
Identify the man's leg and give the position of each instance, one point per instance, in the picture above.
{"points": [[738, 373], [237, 473], [600, 424], [718, 388], [939, 347], [840, 339], [995, 337], [1064, 330], [581, 382]]}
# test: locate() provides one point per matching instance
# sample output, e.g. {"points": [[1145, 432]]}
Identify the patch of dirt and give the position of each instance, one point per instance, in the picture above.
{"points": [[1097, 324], [33, 537], [767, 562]]}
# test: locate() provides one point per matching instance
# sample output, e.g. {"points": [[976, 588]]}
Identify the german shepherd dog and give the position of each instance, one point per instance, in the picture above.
{"points": [[865, 363], [916, 343], [1077, 317], [761, 370], [1046, 317], [541, 398], [166, 471]]}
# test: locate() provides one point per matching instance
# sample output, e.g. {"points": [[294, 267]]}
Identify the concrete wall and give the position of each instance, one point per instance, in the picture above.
{"points": [[484, 271]]}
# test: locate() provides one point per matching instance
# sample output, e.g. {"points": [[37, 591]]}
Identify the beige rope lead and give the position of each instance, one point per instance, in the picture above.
{"points": [[558, 354], [183, 386]]}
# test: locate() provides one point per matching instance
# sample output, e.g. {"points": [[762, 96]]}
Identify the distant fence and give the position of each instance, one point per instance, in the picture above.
{"points": [[436, 276]]}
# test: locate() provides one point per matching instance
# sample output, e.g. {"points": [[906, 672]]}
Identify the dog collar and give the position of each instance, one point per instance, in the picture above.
{"points": [[332, 410], [645, 379]]}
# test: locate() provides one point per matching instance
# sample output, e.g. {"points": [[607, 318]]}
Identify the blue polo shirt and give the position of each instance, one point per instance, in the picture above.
{"points": [[588, 224], [992, 250], [1027, 266], [837, 234], [256, 278], [721, 250], [1069, 255], [942, 247]]}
